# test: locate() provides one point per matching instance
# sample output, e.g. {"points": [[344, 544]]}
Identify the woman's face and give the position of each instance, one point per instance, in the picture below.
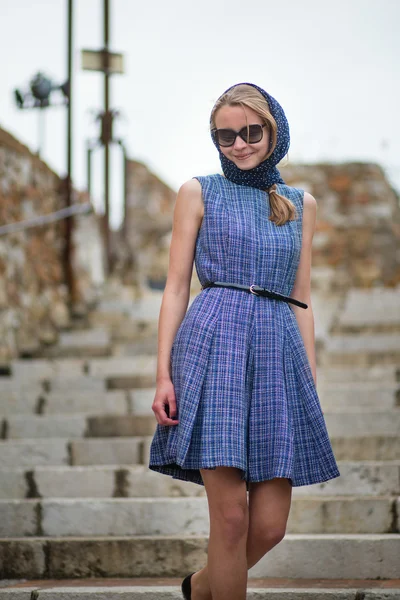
{"points": [[243, 155]]}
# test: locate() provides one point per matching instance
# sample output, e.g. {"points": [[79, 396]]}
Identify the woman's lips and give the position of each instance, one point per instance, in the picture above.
{"points": [[243, 157]]}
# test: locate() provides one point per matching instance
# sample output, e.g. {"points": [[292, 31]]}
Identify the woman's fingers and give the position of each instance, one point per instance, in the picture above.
{"points": [[164, 408], [172, 407]]}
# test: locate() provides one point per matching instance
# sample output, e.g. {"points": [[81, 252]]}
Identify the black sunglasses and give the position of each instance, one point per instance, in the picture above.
{"points": [[227, 137]]}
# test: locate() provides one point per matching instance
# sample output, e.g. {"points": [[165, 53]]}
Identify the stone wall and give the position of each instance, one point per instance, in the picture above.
{"points": [[357, 238], [143, 251], [34, 299]]}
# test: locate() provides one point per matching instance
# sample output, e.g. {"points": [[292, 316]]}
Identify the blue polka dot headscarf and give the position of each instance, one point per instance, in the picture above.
{"points": [[266, 173]]}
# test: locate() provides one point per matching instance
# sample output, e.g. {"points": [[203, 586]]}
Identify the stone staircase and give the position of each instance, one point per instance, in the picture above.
{"points": [[78, 501]]}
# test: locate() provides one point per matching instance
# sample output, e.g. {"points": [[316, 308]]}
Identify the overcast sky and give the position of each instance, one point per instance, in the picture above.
{"points": [[333, 66]]}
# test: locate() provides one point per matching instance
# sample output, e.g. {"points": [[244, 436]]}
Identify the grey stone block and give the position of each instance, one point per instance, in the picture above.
{"points": [[120, 425], [22, 558], [13, 483], [346, 397], [370, 447], [359, 423], [49, 426], [125, 556], [112, 593], [372, 307], [361, 350], [90, 342], [19, 518], [297, 556], [113, 402], [18, 403], [182, 516], [77, 384], [340, 515], [367, 478], [141, 481], [107, 451], [353, 343], [379, 374], [33, 452], [125, 516], [13, 386], [142, 400], [17, 594], [385, 594], [123, 366], [39, 369], [72, 482], [341, 556]]}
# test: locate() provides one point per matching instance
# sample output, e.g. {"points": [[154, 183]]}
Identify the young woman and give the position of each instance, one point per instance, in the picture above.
{"points": [[236, 403]]}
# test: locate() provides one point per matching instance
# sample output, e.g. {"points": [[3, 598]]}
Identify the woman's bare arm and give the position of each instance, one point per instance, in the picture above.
{"points": [[188, 215], [302, 286]]}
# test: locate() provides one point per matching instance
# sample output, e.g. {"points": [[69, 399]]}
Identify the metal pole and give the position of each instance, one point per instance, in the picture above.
{"points": [[41, 133], [125, 176], [69, 222], [106, 139], [89, 170]]}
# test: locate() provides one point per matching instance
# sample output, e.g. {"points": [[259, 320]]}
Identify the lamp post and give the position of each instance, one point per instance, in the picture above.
{"points": [[39, 96], [109, 63]]}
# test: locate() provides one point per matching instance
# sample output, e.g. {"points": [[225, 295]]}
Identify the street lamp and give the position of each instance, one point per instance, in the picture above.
{"points": [[38, 96]]}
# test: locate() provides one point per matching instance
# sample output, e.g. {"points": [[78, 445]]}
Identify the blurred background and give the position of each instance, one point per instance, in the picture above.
{"points": [[333, 67], [104, 113]]}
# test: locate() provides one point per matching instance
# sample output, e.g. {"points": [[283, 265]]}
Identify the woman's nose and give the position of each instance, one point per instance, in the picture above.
{"points": [[239, 142]]}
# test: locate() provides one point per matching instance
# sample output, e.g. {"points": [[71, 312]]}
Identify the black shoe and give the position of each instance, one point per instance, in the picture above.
{"points": [[186, 587]]}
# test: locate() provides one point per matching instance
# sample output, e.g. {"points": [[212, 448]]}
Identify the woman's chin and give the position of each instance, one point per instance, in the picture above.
{"points": [[245, 167]]}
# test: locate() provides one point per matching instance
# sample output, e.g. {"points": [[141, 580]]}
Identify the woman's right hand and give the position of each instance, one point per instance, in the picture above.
{"points": [[165, 402]]}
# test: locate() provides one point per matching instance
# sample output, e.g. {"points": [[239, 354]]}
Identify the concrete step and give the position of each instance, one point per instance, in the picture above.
{"points": [[298, 590], [186, 516], [68, 402], [371, 400], [120, 366], [379, 374], [111, 425], [360, 423], [357, 478], [85, 383], [362, 350], [375, 309], [369, 447], [64, 451], [133, 450], [27, 371], [82, 343], [92, 481], [369, 396], [77, 426], [11, 386], [330, 556]]}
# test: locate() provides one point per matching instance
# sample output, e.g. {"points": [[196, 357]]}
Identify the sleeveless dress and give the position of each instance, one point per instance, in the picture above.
{"points": [[245, 393]]}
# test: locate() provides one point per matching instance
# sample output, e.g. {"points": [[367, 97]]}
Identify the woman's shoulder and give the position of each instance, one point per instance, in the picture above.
{"points": [[295, 194], [212, 185]]}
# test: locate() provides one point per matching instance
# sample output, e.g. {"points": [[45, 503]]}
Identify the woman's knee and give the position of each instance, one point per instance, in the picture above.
{"points": [[269, 535], [230, 519], [227, 503]]}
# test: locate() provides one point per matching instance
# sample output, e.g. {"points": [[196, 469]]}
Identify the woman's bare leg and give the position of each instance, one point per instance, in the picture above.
{"points": [[269, 506], [226, 577]]}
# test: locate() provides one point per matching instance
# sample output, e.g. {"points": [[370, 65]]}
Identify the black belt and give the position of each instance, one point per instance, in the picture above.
{"points": [[256, 290]]}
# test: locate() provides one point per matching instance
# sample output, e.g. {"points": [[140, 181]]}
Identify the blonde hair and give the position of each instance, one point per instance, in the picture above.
{"points": [[282, 209]]}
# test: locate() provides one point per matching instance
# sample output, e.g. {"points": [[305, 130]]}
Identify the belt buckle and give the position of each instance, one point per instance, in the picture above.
{"points": [[252, 290]]}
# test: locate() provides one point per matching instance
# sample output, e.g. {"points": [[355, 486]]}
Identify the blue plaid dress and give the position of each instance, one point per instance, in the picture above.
{"points": [[245, 393]]}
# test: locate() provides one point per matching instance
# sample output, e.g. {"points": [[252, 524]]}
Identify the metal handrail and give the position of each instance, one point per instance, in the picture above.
{"points": [[64, 213]]}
